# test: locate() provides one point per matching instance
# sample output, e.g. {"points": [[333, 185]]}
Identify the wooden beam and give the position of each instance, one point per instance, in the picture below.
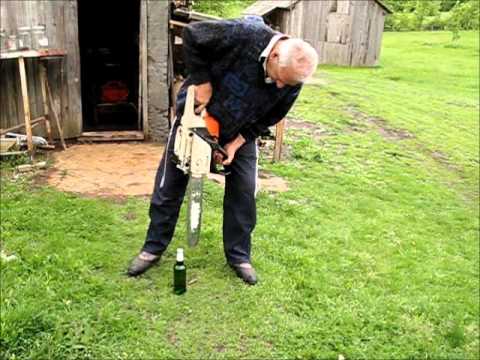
{"points": [[19, 126], [13, 153], [26, 104], [43, 81], [55, 115], [277, 150], [32, 54], [177, 23]]}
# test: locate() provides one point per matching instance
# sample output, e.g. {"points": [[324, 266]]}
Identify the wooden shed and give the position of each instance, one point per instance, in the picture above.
{"points": [[344, 32], [114, 51]]}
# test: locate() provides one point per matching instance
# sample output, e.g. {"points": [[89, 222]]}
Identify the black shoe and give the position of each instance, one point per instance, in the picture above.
{"points": [[139, 266], [246, 274]]}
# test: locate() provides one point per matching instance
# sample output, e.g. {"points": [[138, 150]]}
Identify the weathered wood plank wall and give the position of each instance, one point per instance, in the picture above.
{"points": [[62, 31], [344, 32], [369, 20]]}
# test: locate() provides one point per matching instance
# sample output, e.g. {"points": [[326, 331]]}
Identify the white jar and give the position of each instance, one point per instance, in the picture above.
{"points": [[39, 37], [12, 43], [24, 38]]}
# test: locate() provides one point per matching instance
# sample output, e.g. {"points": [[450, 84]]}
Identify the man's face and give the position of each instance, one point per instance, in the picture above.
{"points": [[280, 75]]}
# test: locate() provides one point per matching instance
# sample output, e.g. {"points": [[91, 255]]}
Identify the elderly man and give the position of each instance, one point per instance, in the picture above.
{"points": [[248, 77]]}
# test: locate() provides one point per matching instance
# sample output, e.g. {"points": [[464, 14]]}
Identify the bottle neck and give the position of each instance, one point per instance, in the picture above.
{"points": [[180, 256]]}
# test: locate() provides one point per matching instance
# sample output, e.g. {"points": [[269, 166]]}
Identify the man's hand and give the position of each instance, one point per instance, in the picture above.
{"points": [[232, 147], [218, 157], [203, 93]]}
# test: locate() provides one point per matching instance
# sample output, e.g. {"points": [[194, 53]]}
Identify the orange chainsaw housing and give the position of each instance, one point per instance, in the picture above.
{"points": [[213, 126]]}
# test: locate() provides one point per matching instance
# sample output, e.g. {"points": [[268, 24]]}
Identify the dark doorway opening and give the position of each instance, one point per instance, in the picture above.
{"points": [[109, 51]]}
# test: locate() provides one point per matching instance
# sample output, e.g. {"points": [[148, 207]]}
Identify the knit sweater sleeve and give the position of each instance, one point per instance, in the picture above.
{"points": [[205, 41], [252, 131]]}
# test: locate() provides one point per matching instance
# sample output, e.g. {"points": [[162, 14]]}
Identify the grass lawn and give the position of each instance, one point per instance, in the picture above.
{"points": [[373, 253]]}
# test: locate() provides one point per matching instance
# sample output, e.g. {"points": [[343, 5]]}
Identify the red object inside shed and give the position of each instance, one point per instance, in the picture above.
{"points": [[114, 92]]}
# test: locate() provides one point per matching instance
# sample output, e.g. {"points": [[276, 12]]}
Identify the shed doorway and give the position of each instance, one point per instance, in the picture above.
{"points": [[109, 61]]}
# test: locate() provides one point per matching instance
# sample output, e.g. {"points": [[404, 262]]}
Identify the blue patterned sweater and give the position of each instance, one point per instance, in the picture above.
{"points": [[226, 53]]}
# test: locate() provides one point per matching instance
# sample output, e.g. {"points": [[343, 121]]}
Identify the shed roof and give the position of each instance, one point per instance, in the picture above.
{"points": [[264, 7], [384, 6]]}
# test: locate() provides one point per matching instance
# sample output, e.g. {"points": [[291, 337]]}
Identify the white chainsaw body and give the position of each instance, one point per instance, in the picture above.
{"points": [[193, 158], [192, 152]]}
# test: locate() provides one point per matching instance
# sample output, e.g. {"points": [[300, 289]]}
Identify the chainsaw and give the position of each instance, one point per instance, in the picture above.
{"points": [[196, 139]]}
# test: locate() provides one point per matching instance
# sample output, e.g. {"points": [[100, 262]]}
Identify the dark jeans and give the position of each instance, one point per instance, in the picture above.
{"points": [[239, 208]]}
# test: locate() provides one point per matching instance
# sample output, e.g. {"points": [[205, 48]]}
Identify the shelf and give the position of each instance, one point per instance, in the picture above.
{"points": [[32, 54]]}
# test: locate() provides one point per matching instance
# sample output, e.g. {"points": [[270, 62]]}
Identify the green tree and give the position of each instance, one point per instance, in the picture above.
{"points": [[448, 5], [401, 5], [465, 16], [425, 8], [411, 5]]}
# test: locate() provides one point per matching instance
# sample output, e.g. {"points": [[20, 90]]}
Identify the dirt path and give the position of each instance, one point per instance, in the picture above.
{"points": [[126, 169], [106, 169]]}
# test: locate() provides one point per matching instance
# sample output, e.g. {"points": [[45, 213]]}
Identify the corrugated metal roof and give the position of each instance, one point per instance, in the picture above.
{"points": [[264, 7]]}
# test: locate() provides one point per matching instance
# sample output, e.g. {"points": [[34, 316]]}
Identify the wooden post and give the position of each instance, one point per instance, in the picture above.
{"points": [[144, 69], [26, 104], [277, 150], [43, 81], [54, 112]]}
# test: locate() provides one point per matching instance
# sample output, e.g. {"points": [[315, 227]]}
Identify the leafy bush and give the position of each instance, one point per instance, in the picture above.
{"points": [[432, 23], [412, 5], [401, 22], [465, 16], [419, 15]]}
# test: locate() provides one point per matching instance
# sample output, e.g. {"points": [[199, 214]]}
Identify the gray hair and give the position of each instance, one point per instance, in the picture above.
{"points": [[300, 56]]}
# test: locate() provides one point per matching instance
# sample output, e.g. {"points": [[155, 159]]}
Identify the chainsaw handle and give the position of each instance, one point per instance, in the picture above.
{"points": [[217, 147], [204, 134]]}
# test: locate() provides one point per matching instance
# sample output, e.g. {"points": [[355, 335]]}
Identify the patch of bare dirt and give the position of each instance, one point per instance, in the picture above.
{"points": [[116, 170], [130, 216], [111, 169], [393, 134], [381, 125], [390, 133], [220, 348], [172, 337], [314, 129], [443, 160]]}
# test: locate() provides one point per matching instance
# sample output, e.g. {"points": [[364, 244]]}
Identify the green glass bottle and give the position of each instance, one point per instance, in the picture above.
{"points": [[179, 274]]}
